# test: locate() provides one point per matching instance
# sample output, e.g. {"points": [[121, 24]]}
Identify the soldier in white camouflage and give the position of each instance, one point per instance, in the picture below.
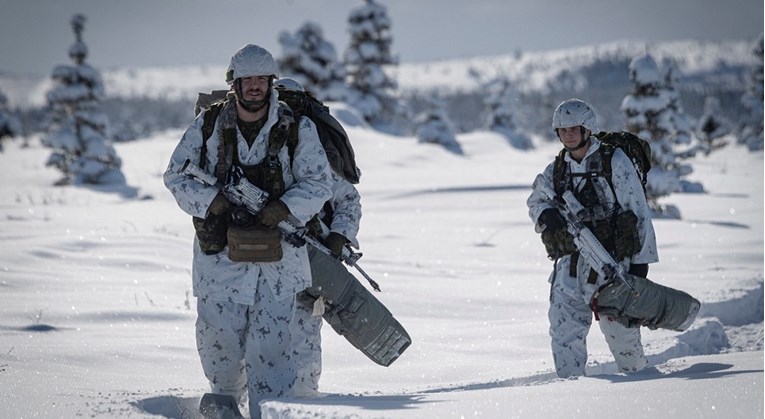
{"points": [[570, 313], [245, 308]]}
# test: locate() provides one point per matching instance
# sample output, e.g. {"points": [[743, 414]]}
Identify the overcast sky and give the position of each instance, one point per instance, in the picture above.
{"points": [[35, 34]]}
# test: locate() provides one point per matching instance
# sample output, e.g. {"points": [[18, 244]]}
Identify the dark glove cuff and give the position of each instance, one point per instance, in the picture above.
{"points": [[639, 269]]}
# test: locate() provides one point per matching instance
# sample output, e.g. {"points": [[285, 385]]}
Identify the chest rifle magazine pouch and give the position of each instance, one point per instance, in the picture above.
{"points": [[627, 239], [211, 232], [254, 243]]}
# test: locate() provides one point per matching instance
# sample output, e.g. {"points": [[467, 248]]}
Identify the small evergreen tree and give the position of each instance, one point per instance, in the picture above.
{"points": [[369, 50], [500, 114], [682, 132], [312, 61], [79, 133], [10, 126], [648, 115], [433, 126], [712, 126], [751, 131]]}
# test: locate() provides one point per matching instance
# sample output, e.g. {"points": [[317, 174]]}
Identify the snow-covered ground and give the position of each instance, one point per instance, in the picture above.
{"points": [[97, 320]]}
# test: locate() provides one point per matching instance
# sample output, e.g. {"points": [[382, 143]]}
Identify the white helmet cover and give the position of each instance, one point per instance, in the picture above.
{"points": [[575, 112], [251, 60]]}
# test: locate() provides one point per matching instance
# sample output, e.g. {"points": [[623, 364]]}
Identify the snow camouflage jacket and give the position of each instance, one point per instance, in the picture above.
{"points": [[346, 209], [627, 192], [307, 180]]}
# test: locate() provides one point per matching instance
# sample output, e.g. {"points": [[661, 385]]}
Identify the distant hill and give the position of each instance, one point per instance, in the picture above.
{"points": [[597, 73]]}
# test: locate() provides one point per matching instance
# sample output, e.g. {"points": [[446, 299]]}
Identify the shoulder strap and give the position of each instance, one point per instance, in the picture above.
{"points": [[606, 155], [281, 131], [559, 173], [208, 126]]}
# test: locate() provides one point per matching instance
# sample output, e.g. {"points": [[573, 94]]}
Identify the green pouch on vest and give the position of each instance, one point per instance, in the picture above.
{"points": [[626, 240], [211, 232], [558, 243], [254, 244]]}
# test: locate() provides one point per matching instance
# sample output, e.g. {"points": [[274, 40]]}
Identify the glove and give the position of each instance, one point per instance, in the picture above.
{"points": [[273, 213], [219, 205], [551, 219], [335, 242], [639, 269]]}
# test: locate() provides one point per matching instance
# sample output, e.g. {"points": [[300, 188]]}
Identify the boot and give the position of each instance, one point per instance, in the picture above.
{"points": [[219, 406]]}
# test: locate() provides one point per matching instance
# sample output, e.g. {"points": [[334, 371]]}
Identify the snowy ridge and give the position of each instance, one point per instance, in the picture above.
{"points": [[533, 71], [529, 71]]}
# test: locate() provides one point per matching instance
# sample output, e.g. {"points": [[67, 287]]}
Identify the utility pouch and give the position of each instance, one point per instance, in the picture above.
{"points": [[254, 243], [626, 240], [211, 232]]}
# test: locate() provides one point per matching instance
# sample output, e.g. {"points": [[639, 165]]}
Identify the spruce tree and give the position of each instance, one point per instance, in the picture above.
{"points": [[10, 126], [79, 132], [433, 126], [648, 114], [368, 52], [712, 127], [751, 128], [312, 61], [500, 115], [682, 125]]}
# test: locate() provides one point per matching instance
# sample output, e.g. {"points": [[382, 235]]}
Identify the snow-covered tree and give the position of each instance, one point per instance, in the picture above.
{"points": [[712, 126], [500, 115], [368, 52], [433, 126], [10, 126], [682, 133], [79, 133], [649, 116], [751, 131], [312, 60]]}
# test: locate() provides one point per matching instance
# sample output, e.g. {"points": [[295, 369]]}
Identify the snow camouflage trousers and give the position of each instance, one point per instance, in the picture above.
{"points": [[247, 347], [570, 320], [306, 340]]}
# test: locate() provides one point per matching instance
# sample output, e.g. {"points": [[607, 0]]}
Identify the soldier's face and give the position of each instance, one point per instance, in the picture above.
{"points": [[570, 136], [255, 87]]}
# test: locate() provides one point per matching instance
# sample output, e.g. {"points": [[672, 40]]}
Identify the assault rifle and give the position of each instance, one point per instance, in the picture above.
{"points": [[242, 192], [585, 241], [654, 305]]}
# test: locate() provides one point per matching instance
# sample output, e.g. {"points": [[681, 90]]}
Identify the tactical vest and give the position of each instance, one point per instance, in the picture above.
{"points": [[615, 229], [266, 175]]}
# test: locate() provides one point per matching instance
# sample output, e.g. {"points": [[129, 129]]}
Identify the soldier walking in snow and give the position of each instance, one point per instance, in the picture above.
{"points": [[245, 276], [620, 219]]}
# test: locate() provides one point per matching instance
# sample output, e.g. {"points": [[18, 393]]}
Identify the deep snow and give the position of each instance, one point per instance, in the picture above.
{"points": [[96, 316]]}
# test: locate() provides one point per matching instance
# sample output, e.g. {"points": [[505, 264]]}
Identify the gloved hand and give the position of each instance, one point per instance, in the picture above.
{"points": [[219, 205], [273, 213], [552, 219], [639, 269], [335, 242]]}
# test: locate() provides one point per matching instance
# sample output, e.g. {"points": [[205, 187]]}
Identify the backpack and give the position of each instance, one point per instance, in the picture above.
{"points": [[332, 136], [637, 149]]}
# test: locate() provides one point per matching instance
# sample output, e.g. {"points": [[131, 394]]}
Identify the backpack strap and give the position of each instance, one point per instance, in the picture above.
{"points": [[606, 155], [208, 126], [559, 173], [283, 133]]}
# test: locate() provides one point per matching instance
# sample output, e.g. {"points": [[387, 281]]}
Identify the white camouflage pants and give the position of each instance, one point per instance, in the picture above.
{"points": [[570, 320], [306, 338], [247, 347]]}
